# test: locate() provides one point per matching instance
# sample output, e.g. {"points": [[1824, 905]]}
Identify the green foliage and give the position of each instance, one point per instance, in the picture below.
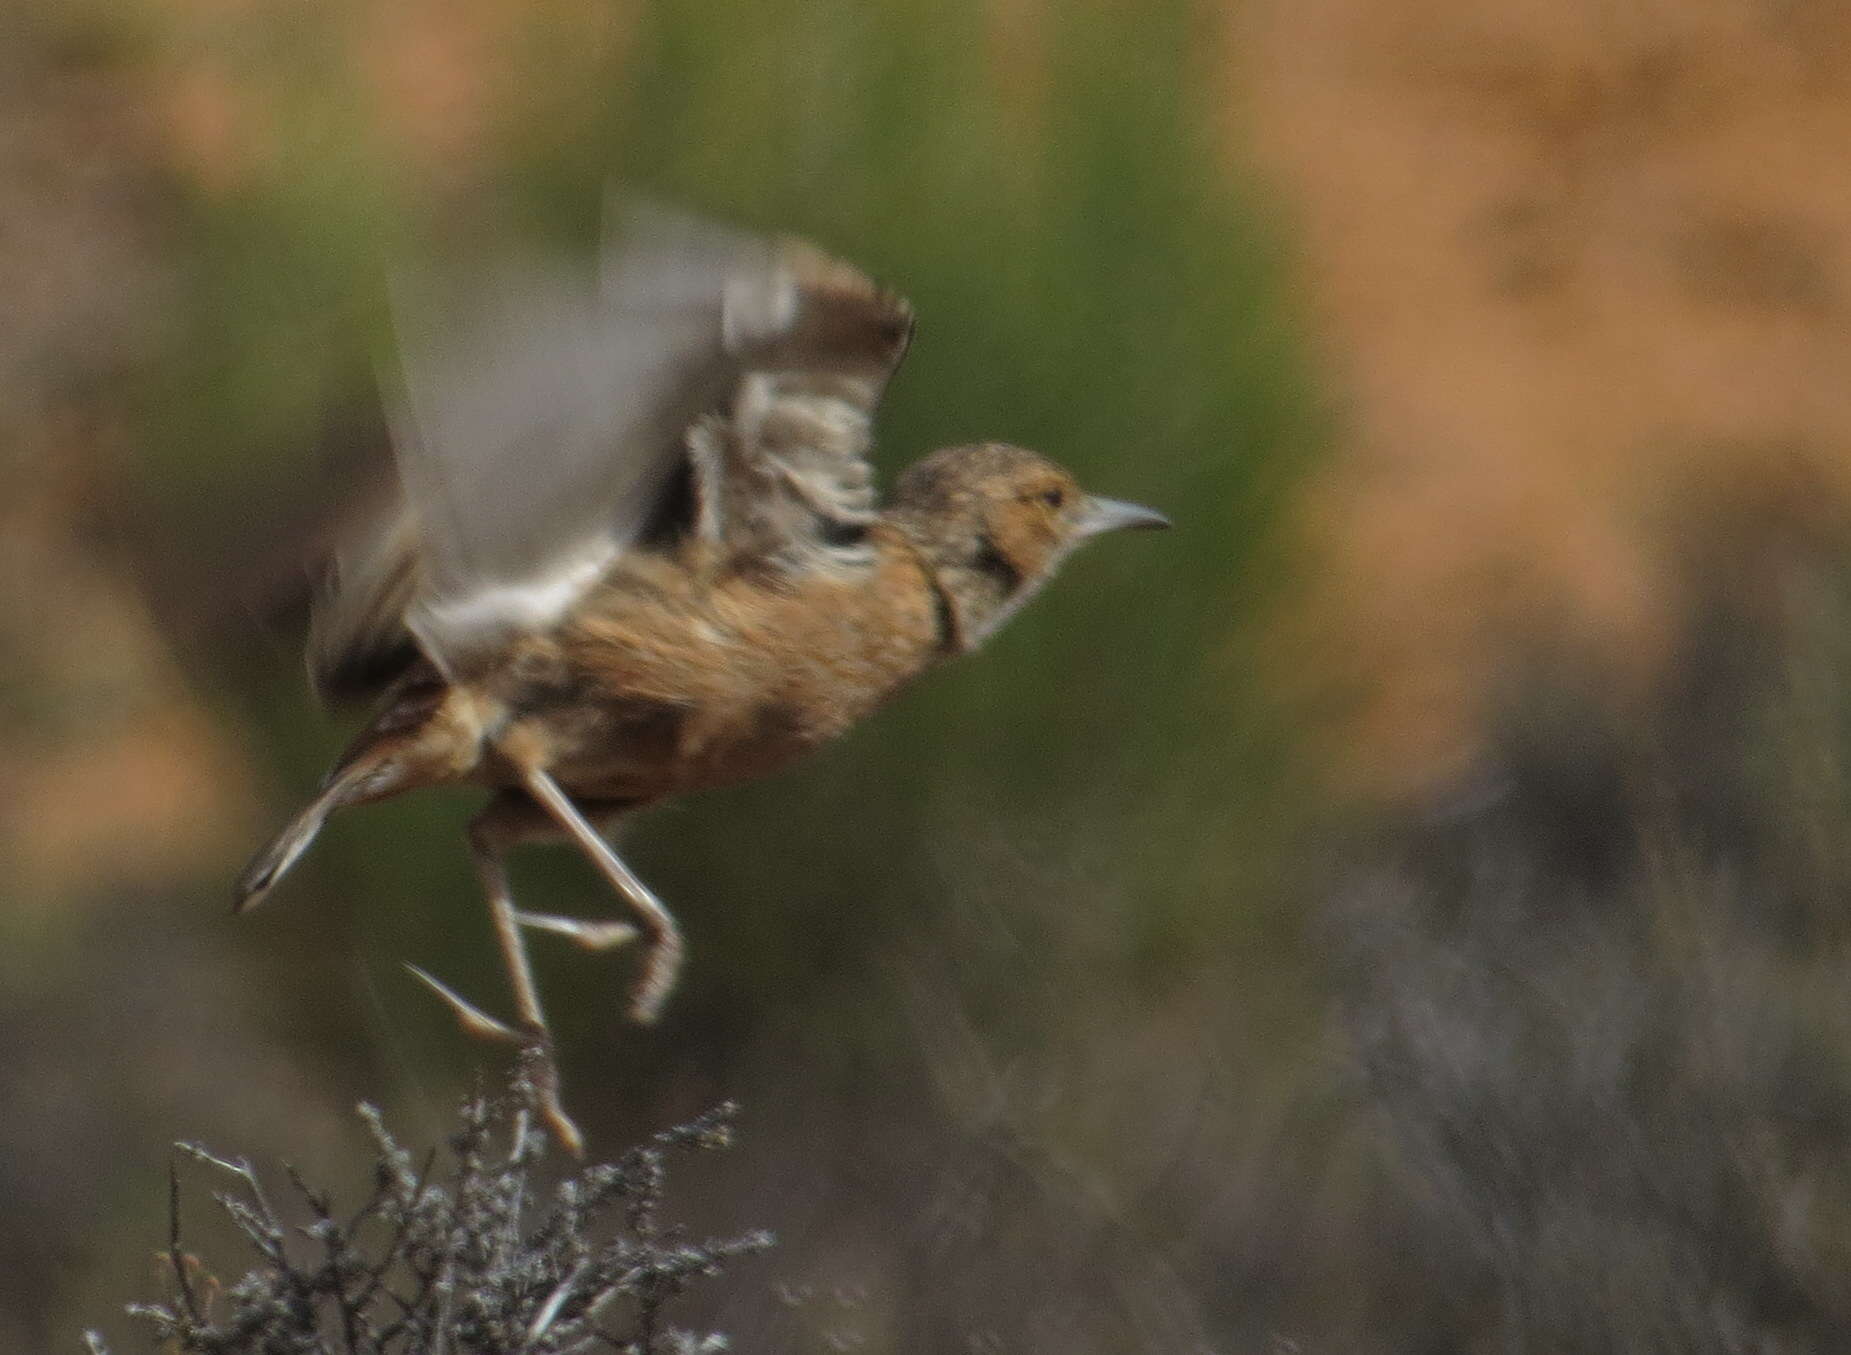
{"points": [[1090, 281]]}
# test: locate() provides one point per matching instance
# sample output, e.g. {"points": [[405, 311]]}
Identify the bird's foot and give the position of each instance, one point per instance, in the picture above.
{"points": [[661, 964], [588, 935], [542, 1066], [543, 1077], [661, 968], [472, 1018]]}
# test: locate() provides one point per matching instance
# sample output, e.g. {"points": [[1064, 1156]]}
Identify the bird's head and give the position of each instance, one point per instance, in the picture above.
{"points": [[994, 522]]}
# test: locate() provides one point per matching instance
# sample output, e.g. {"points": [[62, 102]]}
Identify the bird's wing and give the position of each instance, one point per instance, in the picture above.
{"points": [[545, 409], [548, 415], [783, 472]]}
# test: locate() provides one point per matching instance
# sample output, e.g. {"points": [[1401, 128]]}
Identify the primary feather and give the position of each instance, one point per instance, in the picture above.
{"points": [[550, 417]]}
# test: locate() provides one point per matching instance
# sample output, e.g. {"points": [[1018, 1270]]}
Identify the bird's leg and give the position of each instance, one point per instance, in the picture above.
{"points": [[665, 949], [490, 834], [486, 847], [485, 850]]}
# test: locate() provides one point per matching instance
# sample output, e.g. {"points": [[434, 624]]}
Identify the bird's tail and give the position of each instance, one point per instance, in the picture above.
{"points": [[362, 779], [416, 740]]}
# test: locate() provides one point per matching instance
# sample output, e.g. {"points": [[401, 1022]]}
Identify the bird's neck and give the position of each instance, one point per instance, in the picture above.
{"points": [[976, 588]]}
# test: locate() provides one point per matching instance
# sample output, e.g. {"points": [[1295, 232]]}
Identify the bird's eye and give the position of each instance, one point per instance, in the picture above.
{"points": [[1055, 497]]}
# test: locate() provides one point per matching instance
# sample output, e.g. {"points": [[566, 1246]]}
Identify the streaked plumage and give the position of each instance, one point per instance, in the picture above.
{"points": [[636, 551]]}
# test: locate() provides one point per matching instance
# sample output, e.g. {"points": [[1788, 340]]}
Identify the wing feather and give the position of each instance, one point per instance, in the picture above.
{"points": [[545, 412], [787, 470]]}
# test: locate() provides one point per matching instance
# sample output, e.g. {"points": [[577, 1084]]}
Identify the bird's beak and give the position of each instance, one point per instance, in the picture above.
{"points": [[1108, 515]]}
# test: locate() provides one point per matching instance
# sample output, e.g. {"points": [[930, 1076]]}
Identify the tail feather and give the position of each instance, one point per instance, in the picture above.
{"points": [[274, 861], [364, 778], [411, 742]]}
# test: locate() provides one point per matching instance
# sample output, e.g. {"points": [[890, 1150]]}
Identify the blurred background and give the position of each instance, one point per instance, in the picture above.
{"points": [[1403, 909]]}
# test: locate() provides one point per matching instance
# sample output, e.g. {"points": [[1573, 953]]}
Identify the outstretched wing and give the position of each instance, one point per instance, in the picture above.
{"points": [[783, 473], [547, 415]]}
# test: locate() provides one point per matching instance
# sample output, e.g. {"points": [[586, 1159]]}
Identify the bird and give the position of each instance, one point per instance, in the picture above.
{"points": [[631, 549]]}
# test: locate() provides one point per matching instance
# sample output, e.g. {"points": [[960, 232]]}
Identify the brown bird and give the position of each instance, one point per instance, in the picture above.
{"points": [[634, 551]]}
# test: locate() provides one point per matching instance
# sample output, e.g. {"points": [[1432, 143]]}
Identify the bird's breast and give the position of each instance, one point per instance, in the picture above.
{"points": [[664, 691]]}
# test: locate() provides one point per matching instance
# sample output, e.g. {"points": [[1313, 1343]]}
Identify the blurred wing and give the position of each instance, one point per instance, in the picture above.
{"points": [[785, 472], [545, 409], [547, 416]]}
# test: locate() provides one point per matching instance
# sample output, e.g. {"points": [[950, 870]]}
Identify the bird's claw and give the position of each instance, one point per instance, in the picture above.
{"points": [[588, 935], [542, 1068], [660, 970], [472, 1018], [543, 1074]]}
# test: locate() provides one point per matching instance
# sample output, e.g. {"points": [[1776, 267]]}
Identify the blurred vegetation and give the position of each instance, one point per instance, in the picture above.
{"points": [[1064, 828], [467, 1254], [1089, 282], [1070, 1007]]}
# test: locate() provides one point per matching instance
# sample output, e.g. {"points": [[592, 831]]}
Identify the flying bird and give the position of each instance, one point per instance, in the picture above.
{"points": [[634, 550]]}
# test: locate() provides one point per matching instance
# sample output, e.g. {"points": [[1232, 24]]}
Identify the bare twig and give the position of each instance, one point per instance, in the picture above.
{"points": [[458, 1263]]}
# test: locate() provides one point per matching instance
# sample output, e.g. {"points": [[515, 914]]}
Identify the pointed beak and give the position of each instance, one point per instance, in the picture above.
{"points": [[1108, 515]]}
